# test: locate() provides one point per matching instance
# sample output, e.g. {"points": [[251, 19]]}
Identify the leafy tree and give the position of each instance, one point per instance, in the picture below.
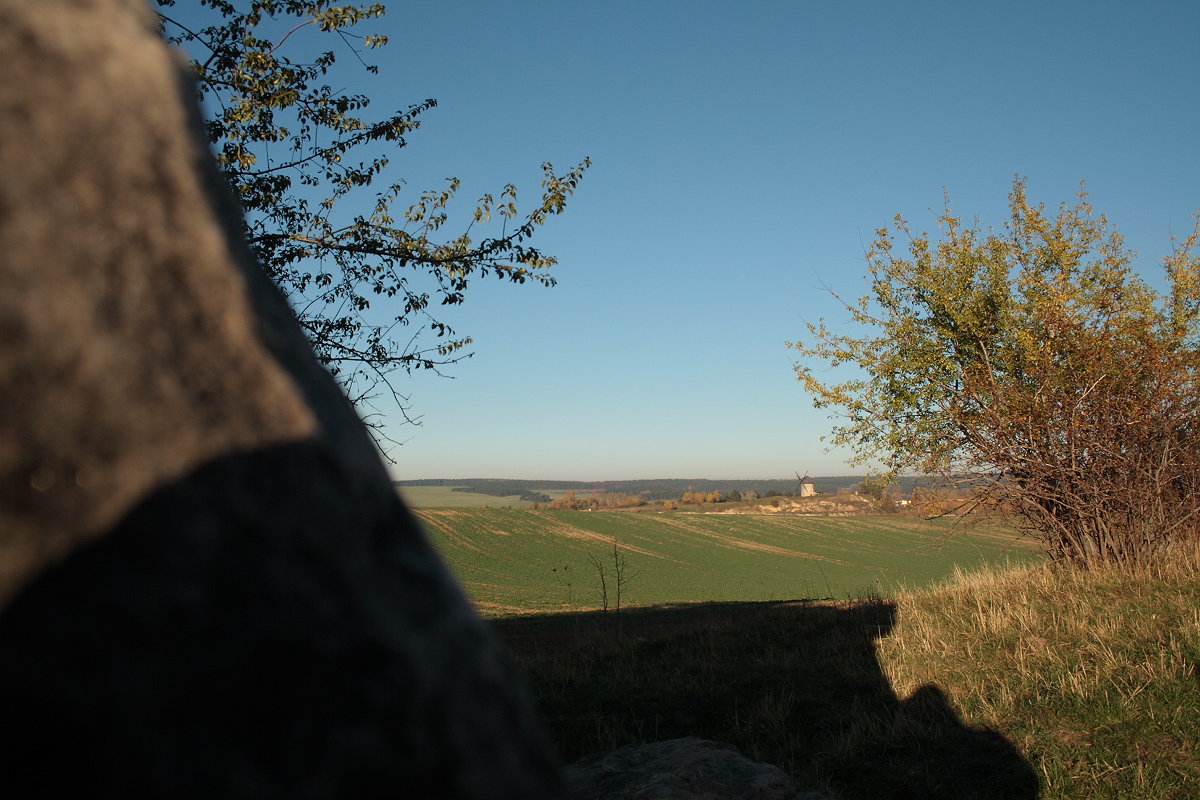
{"points": [[569, 501], [306, 163], [873, 487], [1033, 365], [879, 489]]}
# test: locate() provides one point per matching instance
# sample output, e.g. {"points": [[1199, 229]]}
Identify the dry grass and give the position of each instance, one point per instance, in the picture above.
{"points": [[1094, 676], [1025, 683]]}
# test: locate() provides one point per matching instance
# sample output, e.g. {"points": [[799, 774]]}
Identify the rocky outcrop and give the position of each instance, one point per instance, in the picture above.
{"points": [[208, 587], [680, 769]]}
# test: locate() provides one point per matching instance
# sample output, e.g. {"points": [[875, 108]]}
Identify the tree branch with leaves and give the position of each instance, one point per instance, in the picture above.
{"points": [[364, 283]]}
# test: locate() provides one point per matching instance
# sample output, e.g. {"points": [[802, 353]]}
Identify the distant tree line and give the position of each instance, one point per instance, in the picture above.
{"points": [[656, 489], [696, 498], [600, 500]]}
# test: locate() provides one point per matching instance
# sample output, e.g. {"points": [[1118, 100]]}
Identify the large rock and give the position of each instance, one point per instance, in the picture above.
{"points": [[680, 769], [208, 586]]}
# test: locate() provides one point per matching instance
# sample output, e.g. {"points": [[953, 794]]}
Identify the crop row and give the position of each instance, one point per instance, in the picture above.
{"points": [[512, 561]]}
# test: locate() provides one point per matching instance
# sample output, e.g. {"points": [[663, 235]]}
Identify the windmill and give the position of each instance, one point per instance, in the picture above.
{"points": [[804, 486]]}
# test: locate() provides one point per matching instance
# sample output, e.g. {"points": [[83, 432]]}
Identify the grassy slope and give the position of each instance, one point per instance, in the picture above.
{"points": [[514, 560], [1094, 677], [1005, 684]]}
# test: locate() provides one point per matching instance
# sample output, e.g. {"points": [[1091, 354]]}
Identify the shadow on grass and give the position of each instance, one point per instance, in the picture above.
{"points": [[797, 684]]}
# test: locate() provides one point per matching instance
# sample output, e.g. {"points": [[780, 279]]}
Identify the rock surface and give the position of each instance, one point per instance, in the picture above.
{"points": [[208, 587], [680, 769]]}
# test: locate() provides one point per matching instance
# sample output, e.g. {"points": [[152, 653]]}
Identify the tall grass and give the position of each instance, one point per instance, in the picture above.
{"points": [[1093, 675]]}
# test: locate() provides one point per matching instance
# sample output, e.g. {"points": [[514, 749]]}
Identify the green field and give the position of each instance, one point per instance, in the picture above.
{"points": [[513, 561], [446, 497]]}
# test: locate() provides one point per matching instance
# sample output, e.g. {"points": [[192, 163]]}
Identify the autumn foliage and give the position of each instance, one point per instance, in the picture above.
{"points": [[600, 500], [1034, 365]]}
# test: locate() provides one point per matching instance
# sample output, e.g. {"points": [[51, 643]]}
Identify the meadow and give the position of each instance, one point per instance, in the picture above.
{"points": [[454, 497], [950, 662], [513, 561], [445, 496], [1022, 683]]}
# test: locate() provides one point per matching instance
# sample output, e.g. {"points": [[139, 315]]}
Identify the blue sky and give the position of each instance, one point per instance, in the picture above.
{"points": [[743, 153]]}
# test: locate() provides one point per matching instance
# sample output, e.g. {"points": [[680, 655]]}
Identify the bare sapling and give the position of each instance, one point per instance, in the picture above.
{"points": [[602, 575], [621, 573]]}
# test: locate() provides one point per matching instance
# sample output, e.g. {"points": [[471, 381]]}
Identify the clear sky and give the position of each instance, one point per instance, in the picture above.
{"points": [[743, 153]]}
